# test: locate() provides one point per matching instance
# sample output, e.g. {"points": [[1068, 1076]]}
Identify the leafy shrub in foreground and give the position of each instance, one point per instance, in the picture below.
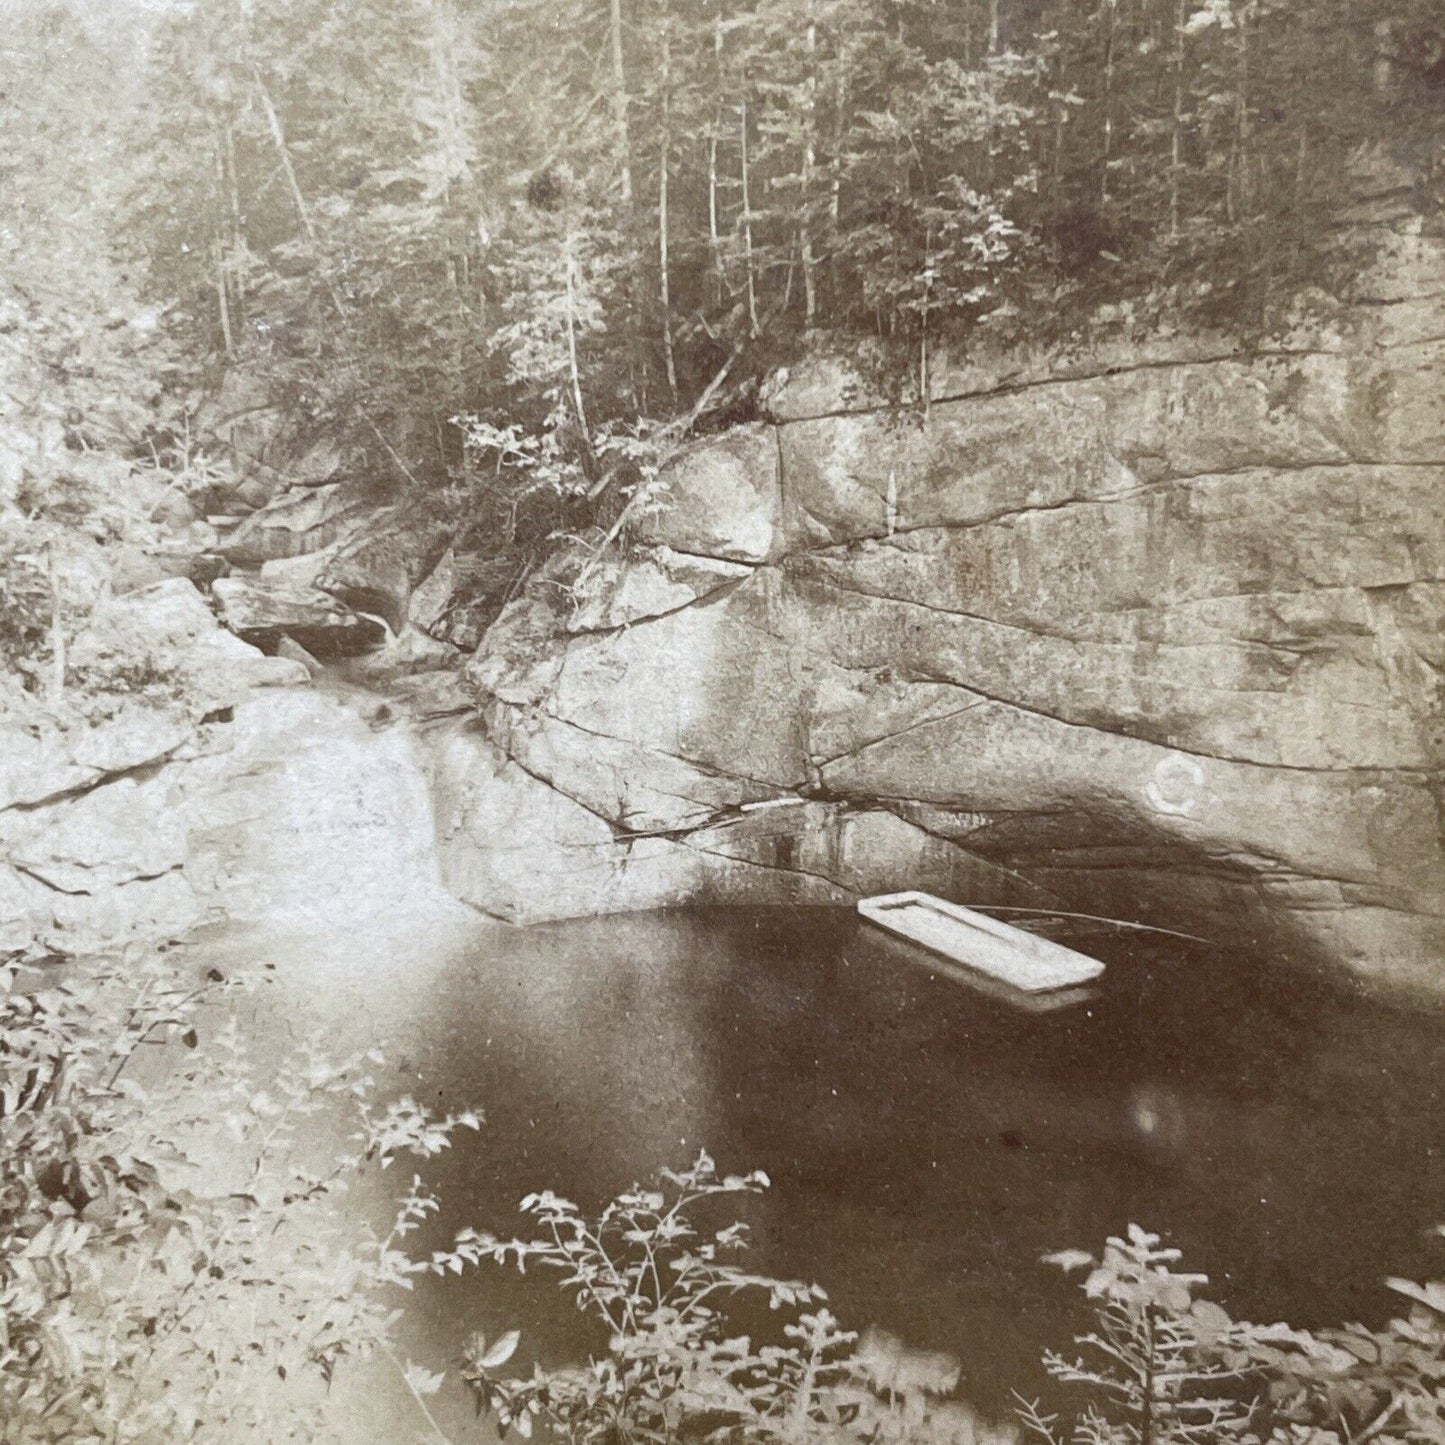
{"points": [[1156, 1365], [1163, 1367], [1160, 1365], [168, 1270], [676, 1367]]}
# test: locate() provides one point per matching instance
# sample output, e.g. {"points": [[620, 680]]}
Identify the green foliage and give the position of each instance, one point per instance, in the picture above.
{"points": [[676, 1367], [1164, 1367], [169, 1268], [565, 215]]}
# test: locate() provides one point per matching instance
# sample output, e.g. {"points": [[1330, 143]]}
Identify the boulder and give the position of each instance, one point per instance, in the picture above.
{"points": [[463, 595], [168, 631], [262, 615], [464, 623], [242, 423], [724, 500], [316, 464], [429, 601], [292, 651], [377, 567], [255, 492], [297, 522], [263, 442], [304, 571], [176, 510], [132, 568], [180, 560], [410, 651], [269, 449]]}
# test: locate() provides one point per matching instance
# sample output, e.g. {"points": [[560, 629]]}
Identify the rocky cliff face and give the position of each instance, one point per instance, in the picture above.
{"points": [[1153, 633], [99, 814]]}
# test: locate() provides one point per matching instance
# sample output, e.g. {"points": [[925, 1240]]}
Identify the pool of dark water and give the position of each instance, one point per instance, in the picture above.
{"points": [[926, 1143]]}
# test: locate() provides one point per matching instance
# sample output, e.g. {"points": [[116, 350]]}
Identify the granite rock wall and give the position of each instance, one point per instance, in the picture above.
{"points": [[1151, 630]]}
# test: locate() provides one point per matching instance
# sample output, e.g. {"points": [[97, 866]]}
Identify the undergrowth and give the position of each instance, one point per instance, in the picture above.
{"points": [[172, 1266]]}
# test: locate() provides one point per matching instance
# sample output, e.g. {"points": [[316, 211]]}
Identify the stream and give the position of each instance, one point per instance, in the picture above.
{"points": [[926, 1143]]}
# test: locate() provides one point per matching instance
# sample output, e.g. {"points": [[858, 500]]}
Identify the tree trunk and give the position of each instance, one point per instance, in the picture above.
{"points": [[1300, 210], [573, 370], [620, 104], [714, 237], [810, 152], [1383, 69], [278, 136], [714, 228], [748, 258], [1061, 114], [925, 385], [218, 253], [1110, 9], [664, 279], [1147, 1384], [1237, 186], [238, 279], [451, 127], [222, 300], [840, 131], [1176, 132], [835, 165]]}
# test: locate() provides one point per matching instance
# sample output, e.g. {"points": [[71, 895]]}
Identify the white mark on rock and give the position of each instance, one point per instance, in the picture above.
{"points": [[772, 803], [1176, 786]]}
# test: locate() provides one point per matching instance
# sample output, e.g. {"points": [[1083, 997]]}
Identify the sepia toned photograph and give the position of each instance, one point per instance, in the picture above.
{"points": [[721, 722]]}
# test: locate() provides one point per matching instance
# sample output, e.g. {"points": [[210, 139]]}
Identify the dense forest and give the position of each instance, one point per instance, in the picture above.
{"points": [[466, 234]]}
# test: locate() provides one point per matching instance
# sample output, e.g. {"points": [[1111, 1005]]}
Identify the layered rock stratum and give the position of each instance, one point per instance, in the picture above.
{"points": [[1149, 630]]}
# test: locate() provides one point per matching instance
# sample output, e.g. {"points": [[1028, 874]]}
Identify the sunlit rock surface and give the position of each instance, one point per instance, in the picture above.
{"points": [[95, 826], [1152, 632], [304, 810]]}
